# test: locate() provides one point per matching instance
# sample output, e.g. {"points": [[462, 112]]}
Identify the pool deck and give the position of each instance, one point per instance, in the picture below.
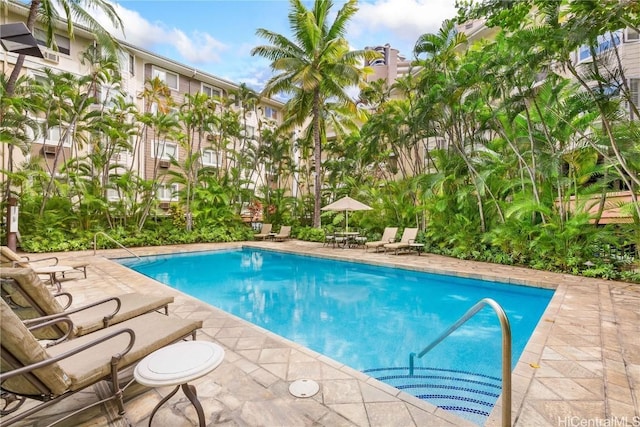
{"points": [[581, 366]]}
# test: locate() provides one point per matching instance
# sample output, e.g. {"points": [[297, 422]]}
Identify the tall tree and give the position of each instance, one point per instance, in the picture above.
{"points": [[313, 67], [75, 11]]}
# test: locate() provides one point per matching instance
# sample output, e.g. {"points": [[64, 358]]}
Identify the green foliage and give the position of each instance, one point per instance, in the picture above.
{"points": [[310, 234], [508, 186]]}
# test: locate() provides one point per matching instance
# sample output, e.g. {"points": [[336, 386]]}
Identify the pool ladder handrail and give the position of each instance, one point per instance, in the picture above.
{"points": [[95, 243], [506, 350]]}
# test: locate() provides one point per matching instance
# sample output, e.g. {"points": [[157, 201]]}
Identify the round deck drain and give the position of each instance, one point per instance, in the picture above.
{"points": [[304, 388]]}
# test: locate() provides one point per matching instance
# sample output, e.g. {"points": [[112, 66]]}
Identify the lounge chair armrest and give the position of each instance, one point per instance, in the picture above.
{"points": [[31, 261], [43, 319], [114, 359], [97, 303], [76, 310], [68, 296], [63, 338]]}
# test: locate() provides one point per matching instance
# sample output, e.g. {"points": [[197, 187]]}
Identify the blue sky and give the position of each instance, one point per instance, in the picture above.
{"points": [[217, 35]]}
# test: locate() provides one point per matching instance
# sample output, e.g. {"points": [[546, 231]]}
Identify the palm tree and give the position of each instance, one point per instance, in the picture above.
{"points": [[313, 67], [46, 11]]}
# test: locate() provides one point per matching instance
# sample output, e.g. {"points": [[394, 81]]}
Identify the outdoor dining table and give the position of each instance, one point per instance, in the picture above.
{"points": [[348, 237]]}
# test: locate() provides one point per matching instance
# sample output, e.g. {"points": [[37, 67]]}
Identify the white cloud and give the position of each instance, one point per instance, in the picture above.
{"points": [[406, 19], [196, 47]]}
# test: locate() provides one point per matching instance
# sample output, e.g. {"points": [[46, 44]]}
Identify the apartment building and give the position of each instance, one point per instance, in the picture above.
{"points": [[152, 155], [627, 42], [389, 66]]}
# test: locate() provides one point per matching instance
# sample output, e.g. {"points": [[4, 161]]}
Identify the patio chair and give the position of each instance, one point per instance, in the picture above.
{"points": [[388, 236], [28, 296], [339, 238], [10, 258], [283, 234], [408, 237], [359, 241], [49, 375], [329, 238], [265, 232]]}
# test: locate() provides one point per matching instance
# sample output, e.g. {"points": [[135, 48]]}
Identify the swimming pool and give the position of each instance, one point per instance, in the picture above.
{"points": [[367, 317]]}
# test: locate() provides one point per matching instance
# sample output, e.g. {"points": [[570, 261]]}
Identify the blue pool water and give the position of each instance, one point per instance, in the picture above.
{"points": [[367, 317]]}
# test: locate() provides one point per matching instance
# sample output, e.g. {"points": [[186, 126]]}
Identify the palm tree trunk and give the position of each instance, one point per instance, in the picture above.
{"points": [[317, 155]]}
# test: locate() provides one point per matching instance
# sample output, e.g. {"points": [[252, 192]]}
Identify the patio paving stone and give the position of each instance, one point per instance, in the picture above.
{"points": [[583, 360]]}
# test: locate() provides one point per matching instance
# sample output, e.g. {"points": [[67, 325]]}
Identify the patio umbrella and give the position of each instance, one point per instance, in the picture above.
{"points": [[346, 204]]}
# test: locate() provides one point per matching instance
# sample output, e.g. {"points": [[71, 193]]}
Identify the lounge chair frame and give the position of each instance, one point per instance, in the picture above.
{"points": [[388, 236], [24, 261], [283, 234], [16, 276], [265, 232], [47, 398], [408, 237], [14, 401]]}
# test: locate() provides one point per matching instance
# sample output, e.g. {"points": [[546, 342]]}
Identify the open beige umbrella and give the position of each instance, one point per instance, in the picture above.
{"points": [[346, 204]]}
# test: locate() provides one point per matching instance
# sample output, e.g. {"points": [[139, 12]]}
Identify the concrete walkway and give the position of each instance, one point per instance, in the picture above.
{"points": [[581, 366]]}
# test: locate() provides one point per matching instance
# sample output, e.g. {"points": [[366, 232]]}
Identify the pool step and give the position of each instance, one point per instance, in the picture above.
{"points": [[469, 395]]}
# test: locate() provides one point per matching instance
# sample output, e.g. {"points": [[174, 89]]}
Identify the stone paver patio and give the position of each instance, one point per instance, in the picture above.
{"points": [[580, 367]]}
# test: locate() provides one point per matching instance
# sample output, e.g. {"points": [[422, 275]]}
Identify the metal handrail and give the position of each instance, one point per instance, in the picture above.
{"points": [[95, 244], [506, 350]]}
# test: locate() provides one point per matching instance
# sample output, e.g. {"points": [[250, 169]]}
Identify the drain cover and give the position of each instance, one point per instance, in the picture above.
{"points": [[304, 388]]}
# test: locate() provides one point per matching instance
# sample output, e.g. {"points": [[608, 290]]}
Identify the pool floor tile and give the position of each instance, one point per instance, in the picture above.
{"points": [[586, 348]]}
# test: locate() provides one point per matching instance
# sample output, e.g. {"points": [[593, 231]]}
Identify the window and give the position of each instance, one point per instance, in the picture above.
{"points": [[63, 43], [604, 43], [210, 91], [584, 53], [270, 113], [631, 35], [113, 195], [106, 95], [132, 65], [40, 79], [169, 78], [121, 157], [210, 158], [163, 109], [165, 150], [53, 134], [167, 192]]}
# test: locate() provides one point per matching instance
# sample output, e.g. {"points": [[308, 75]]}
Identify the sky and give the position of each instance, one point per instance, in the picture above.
{"points": [[217, 36]]}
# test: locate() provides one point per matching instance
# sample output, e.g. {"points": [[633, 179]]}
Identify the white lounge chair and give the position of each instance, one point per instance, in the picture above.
{"points": [[408, 237], [9, 258], [28, 296], [48, 375], [388, 236], [264, 233], [283, 234]]}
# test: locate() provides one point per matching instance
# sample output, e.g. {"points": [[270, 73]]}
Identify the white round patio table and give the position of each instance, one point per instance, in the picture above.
{"points": [[177, 364]]}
